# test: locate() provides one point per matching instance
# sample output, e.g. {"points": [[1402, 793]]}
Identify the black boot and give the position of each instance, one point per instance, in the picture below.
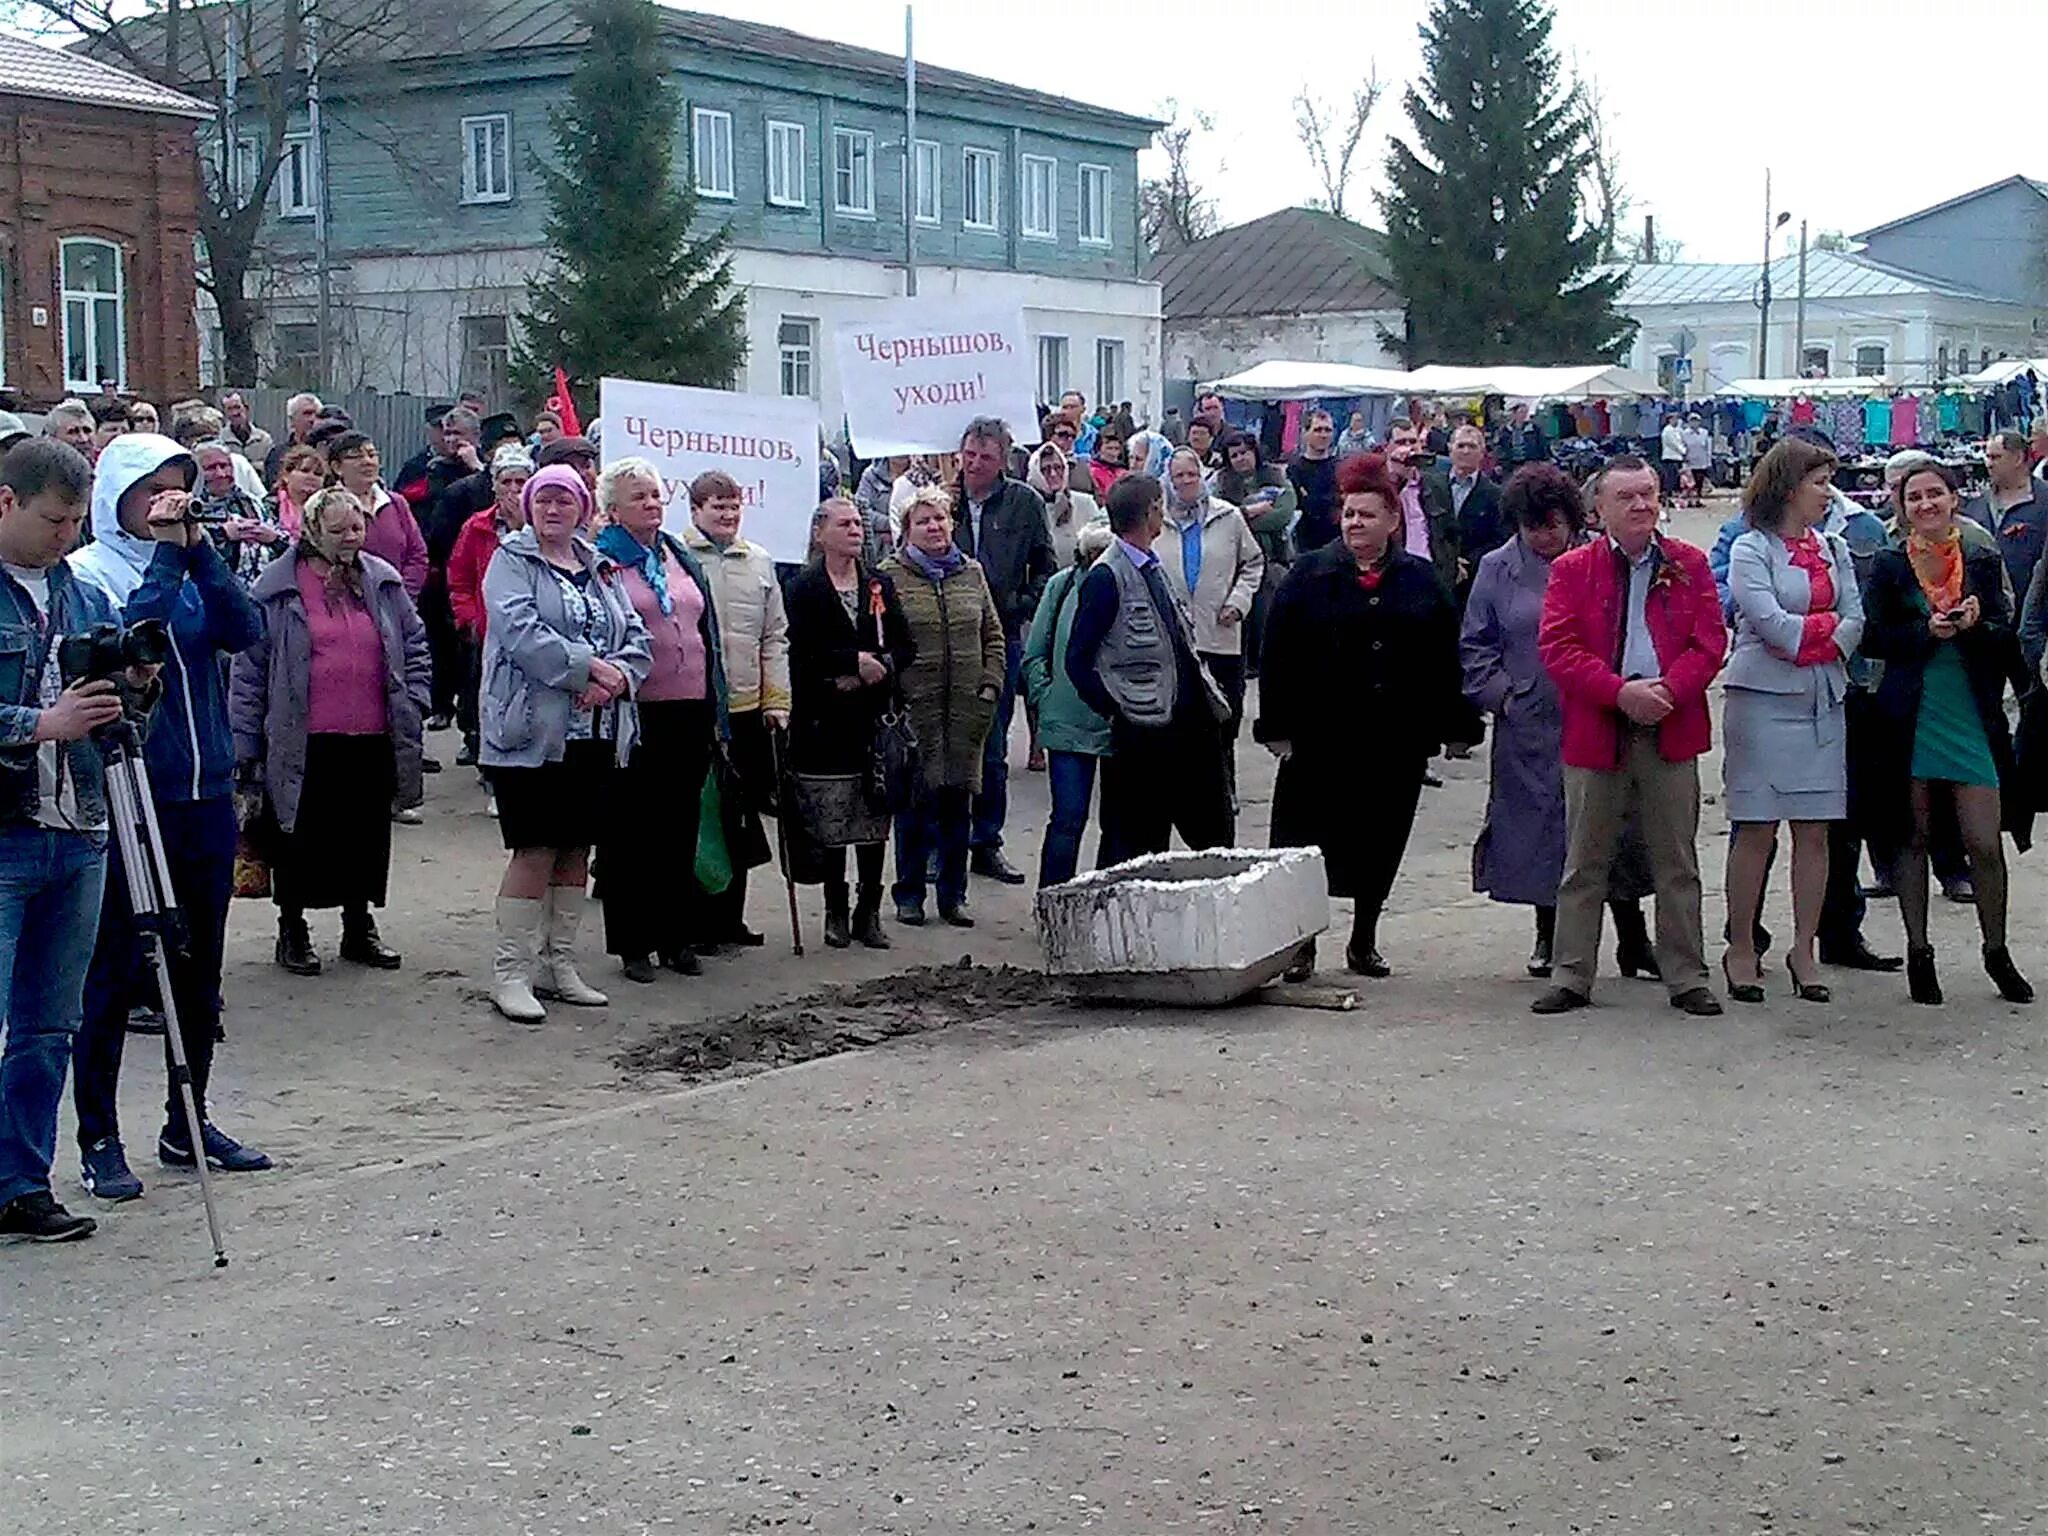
{"points": [[1634, 955], [1921, 981], [361, 945], [295, 945], [1362, 954], [837, 934], [2012, 986], [1546, 939], [1303, 965], [867, 918]]}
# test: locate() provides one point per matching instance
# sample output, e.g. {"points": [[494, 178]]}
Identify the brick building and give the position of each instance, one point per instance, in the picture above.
{"points": [[99, 212]]}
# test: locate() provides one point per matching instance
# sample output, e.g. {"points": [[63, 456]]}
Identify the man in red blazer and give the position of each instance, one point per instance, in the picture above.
{"points": [[1632, 635]]}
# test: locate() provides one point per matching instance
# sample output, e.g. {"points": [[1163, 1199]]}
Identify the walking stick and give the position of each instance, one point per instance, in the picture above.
{"points": [[782, 811]]}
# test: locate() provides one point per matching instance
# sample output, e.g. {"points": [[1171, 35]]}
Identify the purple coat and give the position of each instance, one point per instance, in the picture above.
{"points": [[1519, 857]]}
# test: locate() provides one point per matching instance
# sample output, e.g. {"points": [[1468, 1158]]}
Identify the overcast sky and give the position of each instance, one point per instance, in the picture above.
{"points": [[1863, 109]]}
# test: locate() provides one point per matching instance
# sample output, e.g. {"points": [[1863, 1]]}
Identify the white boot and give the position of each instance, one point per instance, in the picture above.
{"points": [[556, 977], [512, 965]]}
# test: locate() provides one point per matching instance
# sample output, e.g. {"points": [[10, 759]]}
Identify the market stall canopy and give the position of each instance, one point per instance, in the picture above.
{"points": [[1587, 381], [2004, 371], [1278, 379], [1812, 389], [1282, 380]]}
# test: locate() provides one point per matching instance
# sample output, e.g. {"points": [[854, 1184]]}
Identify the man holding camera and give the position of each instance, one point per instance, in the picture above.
{"points": [[53, 820], [152, 559]]}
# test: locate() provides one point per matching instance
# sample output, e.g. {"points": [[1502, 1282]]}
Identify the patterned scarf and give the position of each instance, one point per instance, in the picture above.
{"points": [[1938, 567], [934, 567], [633, 555]]}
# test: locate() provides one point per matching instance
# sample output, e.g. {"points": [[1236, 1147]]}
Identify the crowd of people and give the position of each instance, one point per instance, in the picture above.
{"points": [[639, 693]]}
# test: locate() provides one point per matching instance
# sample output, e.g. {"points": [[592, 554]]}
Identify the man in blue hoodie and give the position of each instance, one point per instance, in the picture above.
{"points": [[53, 820], [153, 561]]}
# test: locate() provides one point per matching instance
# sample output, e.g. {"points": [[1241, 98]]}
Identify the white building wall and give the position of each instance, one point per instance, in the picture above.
{"points": [[1219, 346], [398, 320], [1912, 330]]}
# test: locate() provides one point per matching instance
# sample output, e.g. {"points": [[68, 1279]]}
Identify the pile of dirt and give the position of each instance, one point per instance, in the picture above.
{"points": [[846, 1017]]}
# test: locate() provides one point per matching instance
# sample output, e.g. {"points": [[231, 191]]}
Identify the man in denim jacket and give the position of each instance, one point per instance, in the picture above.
{"points": [[53, 821]]}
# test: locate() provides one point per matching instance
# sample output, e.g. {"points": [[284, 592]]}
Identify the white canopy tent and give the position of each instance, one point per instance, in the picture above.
{"points": [[1278, 379], [1812, 389], [2005, 370]]}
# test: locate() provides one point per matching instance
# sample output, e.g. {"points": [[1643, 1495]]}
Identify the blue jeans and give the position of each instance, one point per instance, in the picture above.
{"points": [[938, 821], [992, 805], [50, 885], [1072, 775]]}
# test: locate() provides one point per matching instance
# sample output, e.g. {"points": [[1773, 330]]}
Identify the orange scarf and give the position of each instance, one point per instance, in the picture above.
{"points": [[1938, 566]]}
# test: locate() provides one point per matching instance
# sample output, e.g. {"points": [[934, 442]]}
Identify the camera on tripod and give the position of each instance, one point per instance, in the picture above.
{"points": [[108, 651]]}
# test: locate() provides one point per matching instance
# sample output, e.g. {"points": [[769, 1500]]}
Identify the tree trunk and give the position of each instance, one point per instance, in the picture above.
{"points": [[238, 317]]}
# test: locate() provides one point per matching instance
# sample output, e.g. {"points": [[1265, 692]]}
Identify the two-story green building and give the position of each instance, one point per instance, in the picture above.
{"points": [[795, 144]]}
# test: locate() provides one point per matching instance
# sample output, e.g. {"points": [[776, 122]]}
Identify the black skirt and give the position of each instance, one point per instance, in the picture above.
{"points": [[557, 805], [339, 852], [646, 871]]}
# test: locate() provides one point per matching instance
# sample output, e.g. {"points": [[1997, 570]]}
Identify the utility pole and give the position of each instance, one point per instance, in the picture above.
{"points": [[909, 157], [316, 157], [1799, 324], [1763, 340]]}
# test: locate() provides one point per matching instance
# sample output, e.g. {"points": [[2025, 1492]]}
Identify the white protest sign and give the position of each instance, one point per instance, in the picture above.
{"points": [[768, 443], [914, 372]]}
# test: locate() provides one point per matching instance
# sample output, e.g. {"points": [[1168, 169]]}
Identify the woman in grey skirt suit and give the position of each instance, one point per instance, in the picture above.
{"points": [[1798, 618]]}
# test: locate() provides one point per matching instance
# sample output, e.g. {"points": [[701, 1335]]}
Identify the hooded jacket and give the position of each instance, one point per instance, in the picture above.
{"points": [[191, 591]]}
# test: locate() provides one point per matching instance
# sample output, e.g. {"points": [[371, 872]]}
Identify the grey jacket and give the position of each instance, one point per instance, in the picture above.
{"points": [[533, 668], [269, 701], [1770, 596]]}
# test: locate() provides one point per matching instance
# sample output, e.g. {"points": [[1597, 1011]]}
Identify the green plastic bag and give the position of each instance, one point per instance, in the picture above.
{"points": [[714, 863]]}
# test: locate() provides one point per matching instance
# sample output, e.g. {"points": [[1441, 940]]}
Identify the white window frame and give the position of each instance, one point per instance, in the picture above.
{"points": [[1101, 175], [1055, 358], [1868, 344], [1827, 354], [927, 176], [299, 147], [794, 355], [785, 142], [1109, 382], [712, 172], [972, 155], [856, 197], [247, 170], [497, 129], [90, 316], [1032, 170]]}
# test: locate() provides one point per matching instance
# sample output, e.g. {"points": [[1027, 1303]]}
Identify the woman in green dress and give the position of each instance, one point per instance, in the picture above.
{"points": [[1937, 616]]}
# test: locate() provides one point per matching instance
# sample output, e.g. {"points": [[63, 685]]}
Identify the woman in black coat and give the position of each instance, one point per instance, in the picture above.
{"points": [[1936, 615], [848, 643], [1361, 687]]}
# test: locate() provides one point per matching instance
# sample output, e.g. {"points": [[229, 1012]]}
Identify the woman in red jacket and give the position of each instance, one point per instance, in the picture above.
{"points": [[511, 468]]}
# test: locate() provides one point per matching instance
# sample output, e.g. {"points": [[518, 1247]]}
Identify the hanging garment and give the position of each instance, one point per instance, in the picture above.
{"points": [[1802, 412], [1877, 423], [1948, 413], [1928, 426], [1753, 414], [1290, 426], [1847, 417], [1905, 421], [1973, 414]]}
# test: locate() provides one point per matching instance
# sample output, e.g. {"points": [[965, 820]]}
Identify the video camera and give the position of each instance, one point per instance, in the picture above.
{"points": [[108, 651]]}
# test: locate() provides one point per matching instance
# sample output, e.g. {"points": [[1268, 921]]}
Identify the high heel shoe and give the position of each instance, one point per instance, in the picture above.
{"points": [[1741, 991], [1806, 991], [2012, 986], [1921, 981]]}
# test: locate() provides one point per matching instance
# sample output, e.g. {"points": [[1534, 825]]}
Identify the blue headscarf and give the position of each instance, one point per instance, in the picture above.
{"points": [[631, 553]]}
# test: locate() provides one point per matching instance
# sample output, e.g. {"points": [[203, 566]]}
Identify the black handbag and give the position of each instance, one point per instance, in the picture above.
{"points": [[895, 769]]}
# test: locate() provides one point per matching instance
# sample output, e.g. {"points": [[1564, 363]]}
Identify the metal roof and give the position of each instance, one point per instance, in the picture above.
{"points": [[405, 31], [1295, 262], [2040, 188], [1829, 275], [53, 74]]}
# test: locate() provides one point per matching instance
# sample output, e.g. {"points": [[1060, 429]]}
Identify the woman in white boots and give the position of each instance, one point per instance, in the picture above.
{"points": [[564, 653]]}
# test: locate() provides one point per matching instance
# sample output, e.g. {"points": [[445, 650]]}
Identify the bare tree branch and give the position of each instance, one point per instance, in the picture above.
{"points": [[1606, 197], [1174, 210], [1330, 145]]}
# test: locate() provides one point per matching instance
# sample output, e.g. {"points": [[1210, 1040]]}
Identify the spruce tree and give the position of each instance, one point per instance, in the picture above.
{"points": [[1485, 236], [628, 289]]}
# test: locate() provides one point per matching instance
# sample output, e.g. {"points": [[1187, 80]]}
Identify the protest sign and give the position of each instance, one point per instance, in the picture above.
{"points": [[913, 372], [768, 443]]}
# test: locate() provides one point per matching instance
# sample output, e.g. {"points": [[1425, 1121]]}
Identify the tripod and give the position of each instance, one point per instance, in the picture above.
{"points": [[132, 812]]}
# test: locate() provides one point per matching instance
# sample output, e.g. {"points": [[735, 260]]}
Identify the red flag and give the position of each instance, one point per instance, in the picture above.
{"points": [[563, 404]]}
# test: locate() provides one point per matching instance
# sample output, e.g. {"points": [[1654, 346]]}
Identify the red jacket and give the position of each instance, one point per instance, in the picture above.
{"points": [[1584, 614], [467, 562]]}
